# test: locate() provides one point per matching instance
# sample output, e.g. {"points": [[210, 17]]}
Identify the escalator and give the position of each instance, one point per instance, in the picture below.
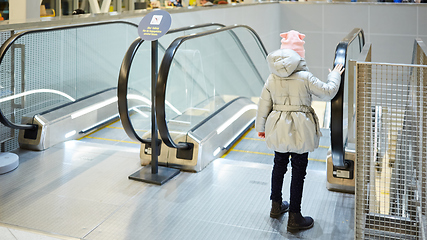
{"points": [[342, 154], [207, 90], [217, 90], [61, 83], [54, 75], [206, 96], [46, 70]]}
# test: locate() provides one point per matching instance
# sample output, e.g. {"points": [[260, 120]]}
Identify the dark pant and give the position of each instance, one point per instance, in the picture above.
{"points": [[299, 166]]}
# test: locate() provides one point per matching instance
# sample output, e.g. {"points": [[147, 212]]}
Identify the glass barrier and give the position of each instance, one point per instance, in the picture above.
{"points": [[135, 81], [44, 68], [49, 68], [206, 71]]}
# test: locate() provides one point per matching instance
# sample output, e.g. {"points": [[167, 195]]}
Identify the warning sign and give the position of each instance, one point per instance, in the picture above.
{"points": [[154, 25], [156, 19]]}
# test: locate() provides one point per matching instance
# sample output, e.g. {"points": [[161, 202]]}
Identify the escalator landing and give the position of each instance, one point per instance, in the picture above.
{"points": [[81, 190], [251, 148]]}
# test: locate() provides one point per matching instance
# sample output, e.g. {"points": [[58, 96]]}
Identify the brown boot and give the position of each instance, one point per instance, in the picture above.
{"points": [[278, 208], [297, 222]]}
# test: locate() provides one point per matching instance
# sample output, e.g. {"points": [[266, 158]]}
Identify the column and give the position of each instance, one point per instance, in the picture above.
{"points": [[21, 11]]}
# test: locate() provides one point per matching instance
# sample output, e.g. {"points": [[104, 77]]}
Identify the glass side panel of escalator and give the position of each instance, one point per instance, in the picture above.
{"points": [[47, 69], [209, 71], [139, 82], [43, 70]]}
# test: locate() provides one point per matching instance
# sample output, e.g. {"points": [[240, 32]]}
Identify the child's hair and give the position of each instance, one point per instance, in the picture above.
{"points": [[293, 40]]}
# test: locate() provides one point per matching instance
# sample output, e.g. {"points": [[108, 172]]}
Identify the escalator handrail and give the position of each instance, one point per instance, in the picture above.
{"points": [[9, 42], [122, 85], [337, 145], [164, 73]]}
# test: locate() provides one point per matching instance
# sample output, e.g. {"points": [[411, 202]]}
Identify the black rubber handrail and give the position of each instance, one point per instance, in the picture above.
{"points": [[164, 73], [122, 87], [337, 144], [9, 42]]}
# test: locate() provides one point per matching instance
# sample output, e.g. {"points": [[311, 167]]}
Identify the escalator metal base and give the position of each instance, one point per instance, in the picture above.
{"points": [[339, 184], [163, 175], [69, 121], [211, 138]]}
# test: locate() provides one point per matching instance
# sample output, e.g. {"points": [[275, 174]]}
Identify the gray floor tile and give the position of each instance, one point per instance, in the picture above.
{"points": [[81, 189]]}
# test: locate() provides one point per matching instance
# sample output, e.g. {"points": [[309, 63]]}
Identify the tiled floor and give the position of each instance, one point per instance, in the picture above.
{"points": [[13, 233], [81, 190]]}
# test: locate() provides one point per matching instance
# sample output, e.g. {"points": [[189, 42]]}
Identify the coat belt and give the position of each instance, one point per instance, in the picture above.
{"points": [[292, 108], [299, 108]]}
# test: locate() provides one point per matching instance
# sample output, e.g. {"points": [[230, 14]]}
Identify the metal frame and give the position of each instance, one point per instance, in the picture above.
{"points": [[399, 210]]}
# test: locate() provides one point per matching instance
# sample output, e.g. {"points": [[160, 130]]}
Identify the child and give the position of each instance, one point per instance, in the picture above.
{"points": [[289, 124]]}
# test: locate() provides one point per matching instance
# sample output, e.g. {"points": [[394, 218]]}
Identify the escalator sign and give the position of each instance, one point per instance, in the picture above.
{"points": [[154, 25]]}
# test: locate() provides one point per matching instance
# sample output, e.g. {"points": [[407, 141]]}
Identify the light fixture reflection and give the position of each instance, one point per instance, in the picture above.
{"points": [[235, 117], [70, 134], [93, 107], [37, 91]]}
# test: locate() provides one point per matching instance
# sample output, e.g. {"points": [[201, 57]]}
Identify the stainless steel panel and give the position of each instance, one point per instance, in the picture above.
{"points": [[337, 183], [69, 122], [211, 138], [81, 190]]}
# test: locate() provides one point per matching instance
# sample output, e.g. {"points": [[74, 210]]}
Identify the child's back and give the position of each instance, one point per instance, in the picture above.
{"points": [[289, 124]]}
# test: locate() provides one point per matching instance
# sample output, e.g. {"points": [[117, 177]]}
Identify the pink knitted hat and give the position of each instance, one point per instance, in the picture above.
{"points": [[293, 40]]}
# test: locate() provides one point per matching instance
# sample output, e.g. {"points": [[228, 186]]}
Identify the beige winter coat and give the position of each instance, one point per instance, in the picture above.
{"points": [[284, 109]]}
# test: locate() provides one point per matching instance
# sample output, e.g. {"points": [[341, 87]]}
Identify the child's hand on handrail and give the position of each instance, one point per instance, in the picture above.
{"points": [[338, 68]]}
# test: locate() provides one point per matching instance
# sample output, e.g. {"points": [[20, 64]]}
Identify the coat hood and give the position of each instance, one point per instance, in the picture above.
{"points": [[284, 62]]}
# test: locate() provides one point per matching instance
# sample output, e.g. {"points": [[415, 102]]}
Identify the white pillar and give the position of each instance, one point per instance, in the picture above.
{"points": [[105, 7], [23, 10], [94, 6]]}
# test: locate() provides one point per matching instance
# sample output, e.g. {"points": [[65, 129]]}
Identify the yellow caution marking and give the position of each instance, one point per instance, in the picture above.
{"points": [[237, 142], [113, 140], [268, 154], [317, 160], [121, 128], [260, 153], [106, 139], [244, 151], [254, 139], [99, 129], [260, 139], [114, 127]]}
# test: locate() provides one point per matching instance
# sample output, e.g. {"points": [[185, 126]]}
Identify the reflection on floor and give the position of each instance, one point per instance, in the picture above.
{"points": [[81, 190], [251, 148]]}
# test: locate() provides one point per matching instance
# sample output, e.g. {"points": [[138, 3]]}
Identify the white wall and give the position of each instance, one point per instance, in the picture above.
{"points": [[250, 15], [391, 28], [23, 10]]}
